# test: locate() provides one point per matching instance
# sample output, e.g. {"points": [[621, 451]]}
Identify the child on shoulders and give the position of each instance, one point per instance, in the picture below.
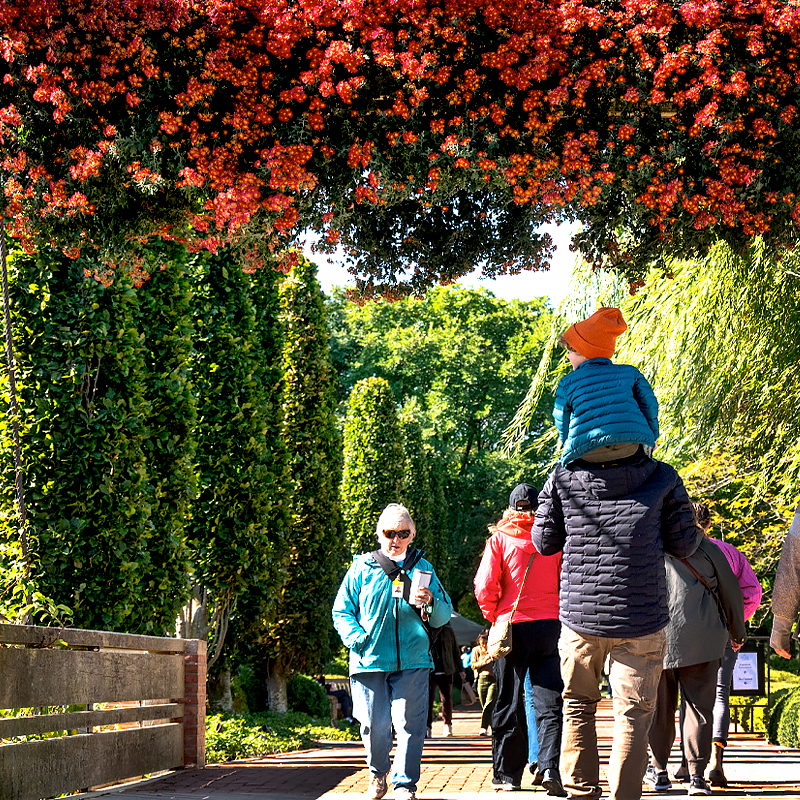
{"points": [[603, 411]]}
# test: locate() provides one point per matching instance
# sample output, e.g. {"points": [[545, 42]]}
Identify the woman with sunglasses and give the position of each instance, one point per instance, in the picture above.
{"points": [[387, 603]]}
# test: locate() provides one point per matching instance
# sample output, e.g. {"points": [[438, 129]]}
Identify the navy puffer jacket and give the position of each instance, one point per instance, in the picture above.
{"points": [[614, 526]]}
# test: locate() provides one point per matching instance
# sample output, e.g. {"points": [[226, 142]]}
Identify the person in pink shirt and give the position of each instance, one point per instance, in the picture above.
{"points": [[500, 579], [751, 593]]}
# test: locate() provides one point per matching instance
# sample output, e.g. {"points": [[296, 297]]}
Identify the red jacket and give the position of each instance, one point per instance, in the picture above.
{"points": [[502, 569]]}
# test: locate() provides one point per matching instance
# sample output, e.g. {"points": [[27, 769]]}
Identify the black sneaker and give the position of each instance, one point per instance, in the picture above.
{"points": [[657, 779], [698, 786], [504, 786], [551, 781]]}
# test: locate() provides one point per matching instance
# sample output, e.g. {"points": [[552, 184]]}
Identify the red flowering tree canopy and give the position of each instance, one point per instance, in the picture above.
{"points": [[427, 136]]}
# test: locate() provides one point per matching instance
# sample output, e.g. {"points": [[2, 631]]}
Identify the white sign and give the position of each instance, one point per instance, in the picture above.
{"points": [[745, 673]]}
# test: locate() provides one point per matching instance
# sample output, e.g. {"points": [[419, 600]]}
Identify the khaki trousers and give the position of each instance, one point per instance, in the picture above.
{"points": [[634, 672]]}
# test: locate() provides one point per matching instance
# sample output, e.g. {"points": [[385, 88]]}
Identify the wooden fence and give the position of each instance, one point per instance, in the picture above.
{"points": [[143, 701]]}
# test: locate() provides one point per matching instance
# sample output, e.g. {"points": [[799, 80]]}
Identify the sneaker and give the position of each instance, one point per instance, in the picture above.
{"points": [[717, 778], [658, 779], [698, 786], [537, 775], [551, 781], [504, 786], [682, 773], [377, 787], [482, 732], [404, 793], [447, 730]]}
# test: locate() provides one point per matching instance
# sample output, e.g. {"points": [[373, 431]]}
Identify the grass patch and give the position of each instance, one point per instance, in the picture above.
{"points": [[229, 737]]}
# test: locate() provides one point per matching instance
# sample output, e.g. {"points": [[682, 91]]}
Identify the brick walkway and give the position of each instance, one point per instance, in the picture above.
{"points": [[457, 767]]}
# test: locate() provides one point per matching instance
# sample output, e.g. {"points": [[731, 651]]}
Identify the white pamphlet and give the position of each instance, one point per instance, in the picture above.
{"points": [[421, 579]]}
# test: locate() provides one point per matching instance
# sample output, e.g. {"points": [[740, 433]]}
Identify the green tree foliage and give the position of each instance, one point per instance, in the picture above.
{"points": [[464, 354], [84, 426], [293, 633], [749, 518], [232, 536], [165, 305], [373, 471], [459, 362], [417, 492]]}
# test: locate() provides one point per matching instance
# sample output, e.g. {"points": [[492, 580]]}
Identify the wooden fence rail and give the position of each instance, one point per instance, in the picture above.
{"points": [[140, 708]]}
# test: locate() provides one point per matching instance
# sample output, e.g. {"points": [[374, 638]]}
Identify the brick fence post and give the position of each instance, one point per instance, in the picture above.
{"points": [[194, 699]]}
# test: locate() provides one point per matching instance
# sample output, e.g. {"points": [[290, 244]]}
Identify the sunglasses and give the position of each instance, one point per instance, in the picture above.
{"points": [[404, 534]]}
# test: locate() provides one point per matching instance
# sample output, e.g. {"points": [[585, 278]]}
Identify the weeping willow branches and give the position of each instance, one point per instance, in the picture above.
{"points": [[718, 340]]}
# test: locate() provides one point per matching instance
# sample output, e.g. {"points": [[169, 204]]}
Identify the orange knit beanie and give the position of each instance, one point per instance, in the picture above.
{"points": [[596, 336]]}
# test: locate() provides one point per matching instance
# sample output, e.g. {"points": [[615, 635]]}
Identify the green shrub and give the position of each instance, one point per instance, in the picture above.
{"points": [[306, 695], [789, 722], [248, 735], [339, 664], [778, 700]]}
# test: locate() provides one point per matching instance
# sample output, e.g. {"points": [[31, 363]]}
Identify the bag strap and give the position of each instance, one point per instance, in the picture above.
{"points": [[722, 615], [394, 570], [525, 577]]}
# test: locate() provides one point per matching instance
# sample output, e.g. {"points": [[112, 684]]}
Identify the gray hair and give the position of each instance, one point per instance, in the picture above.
{"points": [[395, 516]]}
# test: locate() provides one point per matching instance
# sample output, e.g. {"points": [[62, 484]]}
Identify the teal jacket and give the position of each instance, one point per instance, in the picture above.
{"points": [[602, 403], [384, 633]]}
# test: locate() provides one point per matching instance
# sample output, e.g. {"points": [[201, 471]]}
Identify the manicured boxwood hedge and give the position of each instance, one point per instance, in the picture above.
{"points": [[783, 718]]}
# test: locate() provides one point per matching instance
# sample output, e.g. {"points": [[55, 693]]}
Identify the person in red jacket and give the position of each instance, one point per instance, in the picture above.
{"points": [[500, 580]]}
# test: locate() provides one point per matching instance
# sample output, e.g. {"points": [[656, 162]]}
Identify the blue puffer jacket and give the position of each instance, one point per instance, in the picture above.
{"points": [[614, 526], [602, 403], [384, 633]]}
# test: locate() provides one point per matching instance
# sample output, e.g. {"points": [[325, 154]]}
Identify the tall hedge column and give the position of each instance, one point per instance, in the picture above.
{"points": [[373, 460]]}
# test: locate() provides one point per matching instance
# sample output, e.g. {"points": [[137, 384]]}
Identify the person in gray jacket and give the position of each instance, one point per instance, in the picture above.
{"points": [[705, 607], [613, 521], [786, 593]]}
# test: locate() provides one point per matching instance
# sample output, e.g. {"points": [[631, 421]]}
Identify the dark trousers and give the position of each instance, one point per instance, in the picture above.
{"points": [[444, 683], [697, 685], [534, 652], [345, 702]]}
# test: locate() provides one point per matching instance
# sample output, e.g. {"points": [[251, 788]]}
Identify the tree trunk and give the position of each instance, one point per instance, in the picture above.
{"points": [[193, 622], [220, 698], [276, 688]]}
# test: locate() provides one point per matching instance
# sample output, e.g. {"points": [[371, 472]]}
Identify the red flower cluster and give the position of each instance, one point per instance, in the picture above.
{"points": [[259, 116]]}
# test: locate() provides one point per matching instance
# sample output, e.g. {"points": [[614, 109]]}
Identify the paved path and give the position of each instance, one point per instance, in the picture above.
{"points": [[457, 767]]}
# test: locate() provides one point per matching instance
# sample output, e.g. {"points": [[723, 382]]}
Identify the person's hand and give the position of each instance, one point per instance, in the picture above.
{"points": [[463, 675], [736, 646], [782, 653], [424, 597]]}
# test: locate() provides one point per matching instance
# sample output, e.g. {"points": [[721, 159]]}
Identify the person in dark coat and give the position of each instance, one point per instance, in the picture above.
{"points": [[613, 522], [705, 603], [446, 661]]}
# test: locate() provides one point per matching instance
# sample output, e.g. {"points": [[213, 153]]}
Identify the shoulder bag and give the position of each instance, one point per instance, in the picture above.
{"points": [[499, 642]]}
